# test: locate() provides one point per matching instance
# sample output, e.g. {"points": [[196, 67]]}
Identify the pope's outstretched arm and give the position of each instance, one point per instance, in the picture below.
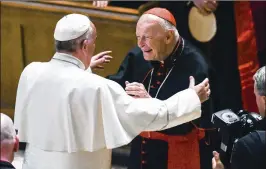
{"points": [[91, 112], [125, 117]]}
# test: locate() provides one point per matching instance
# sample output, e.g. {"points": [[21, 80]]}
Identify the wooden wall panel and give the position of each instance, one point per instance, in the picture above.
{"points": [[29, 27], [115, 37], [11, 64], [38, 42]]}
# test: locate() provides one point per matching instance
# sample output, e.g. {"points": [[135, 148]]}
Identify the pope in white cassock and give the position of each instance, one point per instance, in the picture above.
{"points": [[71, 118]]}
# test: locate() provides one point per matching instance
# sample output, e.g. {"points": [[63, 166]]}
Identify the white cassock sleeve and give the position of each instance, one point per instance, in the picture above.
{"points": [[125, 117], [89, 70], [85, 112]]}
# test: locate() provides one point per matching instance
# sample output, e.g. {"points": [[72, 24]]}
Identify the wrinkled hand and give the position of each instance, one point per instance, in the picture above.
{"points": [[137, 90], [206, 7], [98, 60], [216, 162], [100, 4], [202, 89]]}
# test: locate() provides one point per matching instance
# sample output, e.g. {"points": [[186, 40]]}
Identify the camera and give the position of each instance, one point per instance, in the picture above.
{"points": [[233, 125]]}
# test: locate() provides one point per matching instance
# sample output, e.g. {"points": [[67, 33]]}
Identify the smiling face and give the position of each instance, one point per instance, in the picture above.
{"points": [[153, 39]]}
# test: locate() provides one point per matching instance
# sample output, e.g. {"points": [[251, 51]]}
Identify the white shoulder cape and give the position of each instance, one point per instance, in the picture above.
{"points": [[60, 107]]}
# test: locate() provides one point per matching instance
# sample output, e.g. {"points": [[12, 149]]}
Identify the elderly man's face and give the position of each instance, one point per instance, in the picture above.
{"points": [[261, 102], [152, 39]]}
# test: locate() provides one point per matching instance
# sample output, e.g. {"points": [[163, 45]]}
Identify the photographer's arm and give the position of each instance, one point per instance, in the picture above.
{"points": [[241, 156]]}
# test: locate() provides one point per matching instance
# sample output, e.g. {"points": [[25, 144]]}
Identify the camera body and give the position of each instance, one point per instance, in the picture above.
{"points": [[232, 126]]}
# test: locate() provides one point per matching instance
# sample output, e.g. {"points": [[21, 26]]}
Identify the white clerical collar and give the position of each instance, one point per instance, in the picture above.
{"points": [[69, 59]]}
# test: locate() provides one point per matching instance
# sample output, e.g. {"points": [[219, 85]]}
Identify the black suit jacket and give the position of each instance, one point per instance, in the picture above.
{"points": [[6, 165], [250, 152]]}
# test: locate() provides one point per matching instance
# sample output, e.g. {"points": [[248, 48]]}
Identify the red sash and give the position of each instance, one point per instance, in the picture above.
{"points": [[183, 151]]}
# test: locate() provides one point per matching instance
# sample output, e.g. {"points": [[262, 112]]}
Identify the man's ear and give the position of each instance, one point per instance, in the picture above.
{"points": [[170, 34], [16, 145], [264, 102], [83, 45], [264, 99]]}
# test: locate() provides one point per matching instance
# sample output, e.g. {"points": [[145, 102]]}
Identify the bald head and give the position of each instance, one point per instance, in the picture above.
{"points": [[7, 128]]}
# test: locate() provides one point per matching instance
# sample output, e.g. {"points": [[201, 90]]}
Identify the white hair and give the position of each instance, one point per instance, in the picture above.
{"points": [[90, 30], [164, 23], [7, 128], [259, 79]]}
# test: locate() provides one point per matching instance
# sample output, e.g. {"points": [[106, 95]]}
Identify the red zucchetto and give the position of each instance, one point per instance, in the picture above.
{"points": [[162, 13]]}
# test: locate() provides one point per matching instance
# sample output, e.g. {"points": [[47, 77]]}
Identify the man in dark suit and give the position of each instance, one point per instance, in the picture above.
{"points": [[250, 151]]}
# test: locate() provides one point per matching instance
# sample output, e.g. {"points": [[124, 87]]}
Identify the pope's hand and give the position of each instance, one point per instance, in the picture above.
{"points": [[100, 3], [136, 90], [98, 60], [202, 89], [216, 162], [206, 6]]}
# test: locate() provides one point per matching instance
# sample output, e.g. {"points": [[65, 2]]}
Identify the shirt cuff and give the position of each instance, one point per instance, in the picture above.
{"points": [[89, 70]]}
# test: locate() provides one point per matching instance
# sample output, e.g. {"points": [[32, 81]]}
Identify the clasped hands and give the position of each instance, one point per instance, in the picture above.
{"points": [[137, 90]]}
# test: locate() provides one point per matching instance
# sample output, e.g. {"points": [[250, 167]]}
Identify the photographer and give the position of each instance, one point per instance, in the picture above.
{"points": [[250, 151]]}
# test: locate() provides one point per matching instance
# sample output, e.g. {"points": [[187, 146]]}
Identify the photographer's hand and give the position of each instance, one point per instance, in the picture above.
{"points": [[216, 162]]}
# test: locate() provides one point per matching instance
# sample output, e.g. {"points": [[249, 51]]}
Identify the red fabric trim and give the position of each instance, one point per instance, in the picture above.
{"points": [[183, 151], [162, 13], [246, 53]]}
